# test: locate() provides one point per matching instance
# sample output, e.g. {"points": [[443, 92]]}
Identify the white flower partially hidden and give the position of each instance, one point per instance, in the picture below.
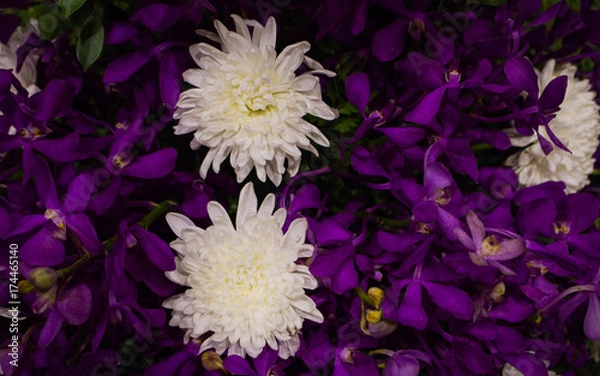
{"points": [[245, 285], [8, 57], [509, 370], [248, 102], [577, 125]]}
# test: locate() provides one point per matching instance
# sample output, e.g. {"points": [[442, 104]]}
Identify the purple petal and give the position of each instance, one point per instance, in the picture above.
{"points": [[545, 144], [330, 232], [553, 95], [476, 228], [401, 242], [436, 177], [591, 324], [51, 328], [402, 365], [358, 20], [79, 193], [473, 358], [44, 182], [485, 330], [587, 243], [366, 163], [411, 312], [425, 211], [123, 67], [265, 360], [482, 70], [509, 249], [55, 96], [510, 341], [581, 211], [427, 107], [521, 74], [118, 32], [388, 42], [345, 278], [158, 17], [550, 14], [66, 149], [465, 239], [27, 223], [42, 249], [307, 197], [169, 76], [448, 223], [75, 305], [405, 137], [452, 299], [358, 90], [156, 249], [152, 166], [5, 223], [81, 225], [512, 310], [171, 365], [528, 364], [238, 366]]}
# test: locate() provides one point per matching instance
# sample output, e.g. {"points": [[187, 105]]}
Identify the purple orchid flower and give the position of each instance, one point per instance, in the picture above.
{"points": [[501, 245], [538, 111], [436, 200], [46, 247], [388, 42], [73, 306]]}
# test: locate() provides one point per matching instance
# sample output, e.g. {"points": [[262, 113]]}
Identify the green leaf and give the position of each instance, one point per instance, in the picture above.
{"points": [[91, 39], [70, 6], [494, 3], [345, 126]]}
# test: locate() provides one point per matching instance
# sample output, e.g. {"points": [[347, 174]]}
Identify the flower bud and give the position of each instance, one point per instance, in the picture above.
{"points": [[376, 294], [373, 317], [43, 279], [211, 361], [498, 291]]}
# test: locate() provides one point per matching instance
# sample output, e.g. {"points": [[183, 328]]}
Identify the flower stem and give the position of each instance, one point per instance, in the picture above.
{"points": [[481, 147], [569, 291], [71, 268], [387, 352], [364, 297], [158, 211]]}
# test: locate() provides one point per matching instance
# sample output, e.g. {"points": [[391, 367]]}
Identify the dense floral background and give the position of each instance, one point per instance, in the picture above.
{"points": [[427, 171]]}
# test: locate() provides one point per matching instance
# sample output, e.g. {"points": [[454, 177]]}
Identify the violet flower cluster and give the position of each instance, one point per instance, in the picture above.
{"points": [[278, 187]]}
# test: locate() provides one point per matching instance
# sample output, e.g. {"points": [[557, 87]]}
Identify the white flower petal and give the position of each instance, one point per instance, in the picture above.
{"points": [[244, 283], [577, 125], [248, 103], [247, 205], [218, 215], [177, 222]]}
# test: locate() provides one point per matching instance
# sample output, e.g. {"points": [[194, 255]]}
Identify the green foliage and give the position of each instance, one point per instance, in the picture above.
{"points": [[493, 3], [70, 6], [90, 41]]}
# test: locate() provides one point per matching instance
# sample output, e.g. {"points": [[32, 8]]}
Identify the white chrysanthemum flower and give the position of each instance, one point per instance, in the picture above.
{"points": [[8, 57], [245, 285], [248, 102], [509, 370], [577, 125]]}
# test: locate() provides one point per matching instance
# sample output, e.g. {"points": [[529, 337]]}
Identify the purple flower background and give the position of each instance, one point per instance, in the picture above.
{"points": [[431, 258]]}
